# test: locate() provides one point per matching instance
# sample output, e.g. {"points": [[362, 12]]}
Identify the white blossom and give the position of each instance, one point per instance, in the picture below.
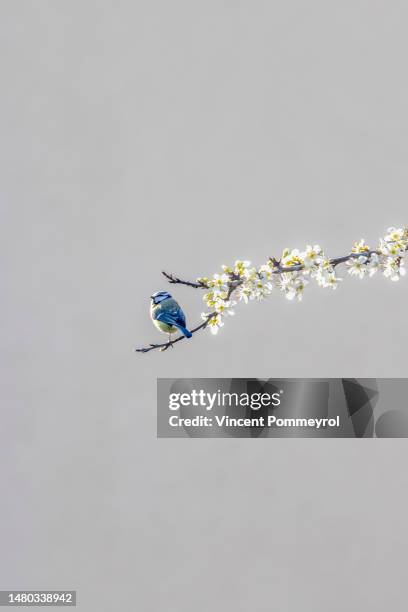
{"points": [[292, 284], [224, 307], [360, 247], [395, 234], [219, 282], [357, 266], [214, 323], [261, 290], [394, 269], [244, 293], [332, 280], [373, 264], [327, 277], [291, 258], [392, 249], [312, 256], [241, 268]]}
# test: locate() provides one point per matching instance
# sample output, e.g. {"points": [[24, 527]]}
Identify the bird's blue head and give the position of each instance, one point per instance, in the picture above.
{"points": [[159, 296]]}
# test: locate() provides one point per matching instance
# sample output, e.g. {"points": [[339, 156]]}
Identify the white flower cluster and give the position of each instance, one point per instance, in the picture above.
{"points": [[295, 269]]}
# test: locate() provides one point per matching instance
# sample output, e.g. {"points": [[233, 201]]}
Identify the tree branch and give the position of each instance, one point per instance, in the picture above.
{"points": [[174, 280], [234, 282], [166, 345], [335, 261]]}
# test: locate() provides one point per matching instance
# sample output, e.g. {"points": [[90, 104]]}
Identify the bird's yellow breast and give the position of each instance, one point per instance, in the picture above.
{"points": [[163, 327]]}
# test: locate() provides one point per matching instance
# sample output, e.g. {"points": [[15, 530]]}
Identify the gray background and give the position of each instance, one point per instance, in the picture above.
{"points": [[143, 135]]}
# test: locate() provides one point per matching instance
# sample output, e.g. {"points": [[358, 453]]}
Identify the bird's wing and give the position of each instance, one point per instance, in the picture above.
{"points": [[169, 318], [171, 313]]}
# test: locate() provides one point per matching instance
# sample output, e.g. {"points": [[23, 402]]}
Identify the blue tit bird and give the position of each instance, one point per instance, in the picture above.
{"points": [[167, 315]]}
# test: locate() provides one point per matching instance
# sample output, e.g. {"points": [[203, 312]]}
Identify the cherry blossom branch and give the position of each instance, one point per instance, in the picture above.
{"points": [[290, 274], [277, 269], [234, 283]]}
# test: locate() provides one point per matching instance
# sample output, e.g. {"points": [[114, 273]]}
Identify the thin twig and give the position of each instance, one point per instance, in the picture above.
{"points": [[175, 280], [166, 345]]}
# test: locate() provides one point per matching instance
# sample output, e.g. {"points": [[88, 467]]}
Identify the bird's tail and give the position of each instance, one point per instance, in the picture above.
{"points": [[184, 331]]}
